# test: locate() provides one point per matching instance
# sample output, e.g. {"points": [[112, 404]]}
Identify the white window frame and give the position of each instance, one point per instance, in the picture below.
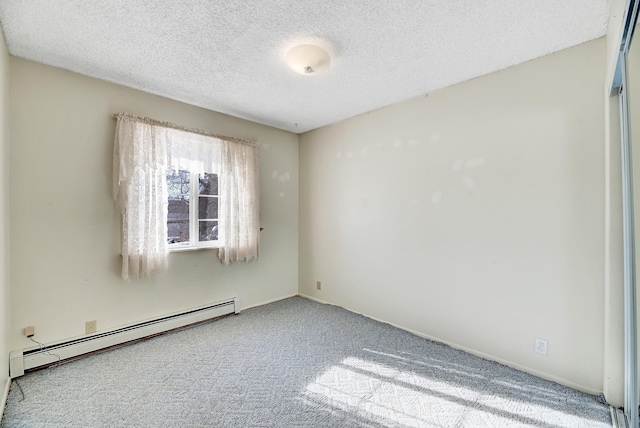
{"points": [[194, 221]]}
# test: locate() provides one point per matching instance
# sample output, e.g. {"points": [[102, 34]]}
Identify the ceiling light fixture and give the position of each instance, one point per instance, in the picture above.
{"points": [[308, 60]]}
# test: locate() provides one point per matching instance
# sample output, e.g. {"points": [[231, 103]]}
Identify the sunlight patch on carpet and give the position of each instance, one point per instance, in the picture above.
{"points": [[388, 395]]}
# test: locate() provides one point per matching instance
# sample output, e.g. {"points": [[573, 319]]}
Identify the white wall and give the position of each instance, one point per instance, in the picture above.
{"points": [[4, 216], [473, 215], [65, 230]]}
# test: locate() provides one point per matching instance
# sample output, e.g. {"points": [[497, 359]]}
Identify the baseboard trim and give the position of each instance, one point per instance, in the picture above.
{"points": [[5, 396], [315, 299], [277, 299], [489, 357]]}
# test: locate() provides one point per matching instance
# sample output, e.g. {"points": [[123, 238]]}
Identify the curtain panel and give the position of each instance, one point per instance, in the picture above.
{"points": [[144, 150], [239, 202], [140, 192]]}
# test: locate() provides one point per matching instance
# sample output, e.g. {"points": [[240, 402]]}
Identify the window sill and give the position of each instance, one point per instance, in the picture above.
{"points": [[183, 249]]}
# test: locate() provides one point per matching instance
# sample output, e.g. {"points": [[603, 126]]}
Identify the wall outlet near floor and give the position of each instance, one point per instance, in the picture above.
{"points": [[91, 326], [29, 331], [540, 346], [318, 285]]}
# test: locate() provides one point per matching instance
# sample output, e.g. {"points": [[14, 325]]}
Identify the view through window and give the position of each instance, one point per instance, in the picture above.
{"points": [[192, 220]]}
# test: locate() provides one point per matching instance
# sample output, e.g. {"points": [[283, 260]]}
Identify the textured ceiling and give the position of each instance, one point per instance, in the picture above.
{"points": [[227, 55]]}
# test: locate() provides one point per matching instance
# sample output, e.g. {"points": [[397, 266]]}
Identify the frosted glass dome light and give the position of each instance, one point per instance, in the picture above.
{"points": [[308, 60]]}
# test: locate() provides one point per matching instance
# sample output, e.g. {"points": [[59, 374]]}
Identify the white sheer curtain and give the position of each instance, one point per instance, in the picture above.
{"points": [[140, 192], [239, 203], [143, 151], [192, 152]]}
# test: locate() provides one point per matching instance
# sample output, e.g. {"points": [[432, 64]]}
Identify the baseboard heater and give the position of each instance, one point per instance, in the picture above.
{"points": [[31, 358]]}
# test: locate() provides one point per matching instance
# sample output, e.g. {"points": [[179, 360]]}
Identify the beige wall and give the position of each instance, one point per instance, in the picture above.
{"points": [[4, 216], [65, 231], [473, 216]]}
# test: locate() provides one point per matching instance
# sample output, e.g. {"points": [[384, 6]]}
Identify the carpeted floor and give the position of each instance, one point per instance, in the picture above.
{"points": [[294, 363]]}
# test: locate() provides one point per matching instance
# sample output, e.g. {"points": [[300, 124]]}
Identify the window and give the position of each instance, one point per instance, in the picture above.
{"points": [[192, 219], [210, 183]]}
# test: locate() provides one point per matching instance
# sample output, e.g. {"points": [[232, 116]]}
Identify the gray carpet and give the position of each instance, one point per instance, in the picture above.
{"points": [[293, 363]]}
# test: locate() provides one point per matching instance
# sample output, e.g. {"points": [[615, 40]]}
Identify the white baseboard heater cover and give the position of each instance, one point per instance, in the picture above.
{"points": [[30, 358]]}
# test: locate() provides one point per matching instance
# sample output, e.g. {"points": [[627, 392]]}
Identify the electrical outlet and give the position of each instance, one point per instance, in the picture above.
{"points": [[91, 326], [318, 285], [541, 346], [29, 331]]}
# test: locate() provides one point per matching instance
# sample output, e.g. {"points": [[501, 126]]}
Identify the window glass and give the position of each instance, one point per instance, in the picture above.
{"points": [[192, 219], [208, 208], [208, 184], [178, 209], [208, 230]]}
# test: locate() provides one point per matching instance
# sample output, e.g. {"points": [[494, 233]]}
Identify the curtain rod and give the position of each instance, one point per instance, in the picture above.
{"points": [[170, 125]]}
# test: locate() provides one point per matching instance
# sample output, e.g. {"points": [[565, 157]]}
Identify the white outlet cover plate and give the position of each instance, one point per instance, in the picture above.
{"points": [[540, 346]]}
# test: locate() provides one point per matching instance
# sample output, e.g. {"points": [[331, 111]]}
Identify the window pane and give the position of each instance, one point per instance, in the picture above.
{"points": [[178, 232], [207, 207], [178, 182], [178, 208], [208, 231], [208, 184]]}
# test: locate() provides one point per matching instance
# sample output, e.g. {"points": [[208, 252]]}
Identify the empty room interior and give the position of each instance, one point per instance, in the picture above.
{"points": [[458, 173]]}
